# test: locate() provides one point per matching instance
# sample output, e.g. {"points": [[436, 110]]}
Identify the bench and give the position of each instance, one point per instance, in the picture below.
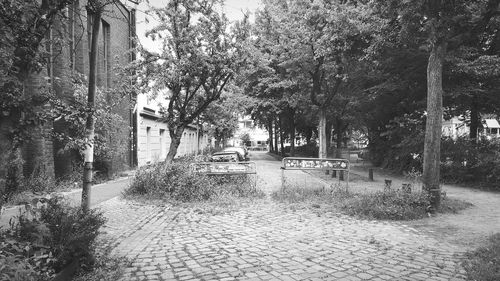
{"points": [[323, 164]]}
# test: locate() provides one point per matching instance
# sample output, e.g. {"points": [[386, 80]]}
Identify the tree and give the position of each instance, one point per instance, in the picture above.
{"points": [[198, 61], [95, 9], [320, 39], [26, 117], [442, 26]]}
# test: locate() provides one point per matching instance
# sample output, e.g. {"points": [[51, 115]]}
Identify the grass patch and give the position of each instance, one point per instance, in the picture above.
{"points": [[483, 264], [391, 205], [176, 183]]}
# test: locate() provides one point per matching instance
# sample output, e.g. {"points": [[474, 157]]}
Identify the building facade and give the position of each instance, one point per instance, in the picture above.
{"points": [[153, 139]]}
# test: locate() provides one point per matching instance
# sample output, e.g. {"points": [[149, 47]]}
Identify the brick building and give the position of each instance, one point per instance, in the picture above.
{"points": [[116, 41]]}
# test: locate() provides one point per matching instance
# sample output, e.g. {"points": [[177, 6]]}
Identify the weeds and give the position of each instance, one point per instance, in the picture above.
{"points": [[483, 264], [387, 205], [176, 182], [49, 238]]}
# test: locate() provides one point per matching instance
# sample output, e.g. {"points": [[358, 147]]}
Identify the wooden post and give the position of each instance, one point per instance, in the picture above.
{"points": [[370, 174]]}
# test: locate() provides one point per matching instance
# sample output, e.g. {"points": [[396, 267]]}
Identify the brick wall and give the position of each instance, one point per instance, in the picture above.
{"points": [[118, 19]]}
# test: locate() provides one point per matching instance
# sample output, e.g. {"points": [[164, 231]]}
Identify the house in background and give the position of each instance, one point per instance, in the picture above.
{"points": [[456, 127], [258, 136], [152, 135]]}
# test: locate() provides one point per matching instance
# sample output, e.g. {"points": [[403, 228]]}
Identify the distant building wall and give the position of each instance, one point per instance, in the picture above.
{"points": [[153, 139]]}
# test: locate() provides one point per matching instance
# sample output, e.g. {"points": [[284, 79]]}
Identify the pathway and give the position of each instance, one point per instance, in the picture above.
{"points": [[267, 241]]}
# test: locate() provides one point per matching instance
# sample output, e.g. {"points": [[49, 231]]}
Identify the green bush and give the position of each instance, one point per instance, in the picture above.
{"points": [[176, 181], [464, 161], [51, 237], [483, 264]]}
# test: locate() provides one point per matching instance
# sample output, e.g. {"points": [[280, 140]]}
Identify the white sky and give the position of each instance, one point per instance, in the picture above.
{"points": [[233, 8]]}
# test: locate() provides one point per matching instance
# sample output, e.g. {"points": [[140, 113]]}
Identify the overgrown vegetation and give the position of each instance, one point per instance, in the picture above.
{"points": [[51, 236], [464, 161], [175, 181], [483, 264], [386, 205]]}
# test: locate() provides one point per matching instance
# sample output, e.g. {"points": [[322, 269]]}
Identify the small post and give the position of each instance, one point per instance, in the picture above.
{"points": [[341, 175], [388, 184], [370, 174]]}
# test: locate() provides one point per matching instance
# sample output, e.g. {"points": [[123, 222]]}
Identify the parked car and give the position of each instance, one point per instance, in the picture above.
{"points": [[241, 150], [227, 156]]}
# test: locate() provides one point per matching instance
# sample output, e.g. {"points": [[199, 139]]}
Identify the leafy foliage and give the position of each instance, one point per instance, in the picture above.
{"points": [[200, 56], [464, 161], [49, 238]]}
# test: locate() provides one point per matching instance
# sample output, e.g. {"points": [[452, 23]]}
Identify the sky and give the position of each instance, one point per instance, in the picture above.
{"points": [[233, 8]]}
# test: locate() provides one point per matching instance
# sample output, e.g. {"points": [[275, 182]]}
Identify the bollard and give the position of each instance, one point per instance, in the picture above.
{"points": [[406, 187], [334, 173], [370, 174], [341, 175], [388, 184]]}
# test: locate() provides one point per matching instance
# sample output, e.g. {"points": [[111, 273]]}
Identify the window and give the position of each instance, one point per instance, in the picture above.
{"points": [[106, 33], [162, 144], [494, 131], [148, 143]]}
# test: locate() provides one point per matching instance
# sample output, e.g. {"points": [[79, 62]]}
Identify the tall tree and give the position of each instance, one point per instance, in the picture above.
{"points": [[198, 60], [445, 25], [95, 9], [320, 40]]}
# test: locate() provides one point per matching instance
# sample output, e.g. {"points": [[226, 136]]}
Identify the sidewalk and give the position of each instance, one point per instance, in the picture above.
{"points": [[99, 193]]}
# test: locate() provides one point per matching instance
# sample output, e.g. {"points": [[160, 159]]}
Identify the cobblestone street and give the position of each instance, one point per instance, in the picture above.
{"points": [[267, 241]]}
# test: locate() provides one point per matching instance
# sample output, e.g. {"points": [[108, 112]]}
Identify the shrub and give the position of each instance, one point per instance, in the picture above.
{"points": [[54, 235], [483, 264], [463, 161], [176, 181]]}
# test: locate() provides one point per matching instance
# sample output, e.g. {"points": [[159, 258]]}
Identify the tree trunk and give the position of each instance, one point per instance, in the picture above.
{"points": [[339, 132], [37, 152], [309, 133], [322, 133], [292, 132], [432, 144], [276, 128], [328, 132], [64, 158], [282, 139], [175, 141], [90, 123], [270, 132], [474, 119]]}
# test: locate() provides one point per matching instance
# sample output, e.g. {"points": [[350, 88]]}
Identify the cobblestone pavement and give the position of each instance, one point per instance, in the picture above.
{"points": [[267, 241]]}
